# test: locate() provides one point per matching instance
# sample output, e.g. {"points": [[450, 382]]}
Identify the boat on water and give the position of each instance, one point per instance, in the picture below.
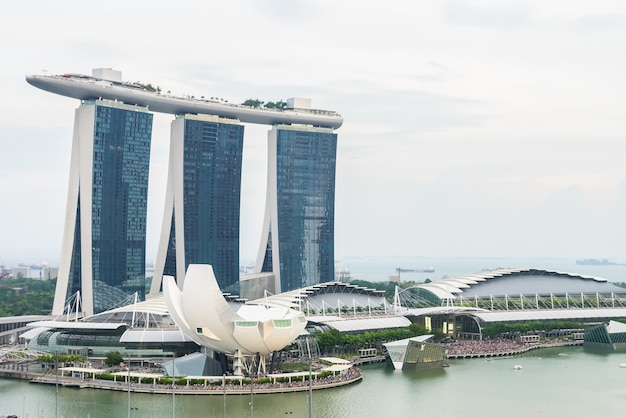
{"points": [[430, 269]]}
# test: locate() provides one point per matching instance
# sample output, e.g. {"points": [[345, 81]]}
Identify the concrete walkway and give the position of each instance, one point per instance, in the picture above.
{"points": [[229, 389]]}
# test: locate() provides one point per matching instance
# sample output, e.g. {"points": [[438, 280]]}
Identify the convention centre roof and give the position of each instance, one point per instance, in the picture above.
{"points": [[328, 293], [517, 282], [342, 324], [582, 315]]}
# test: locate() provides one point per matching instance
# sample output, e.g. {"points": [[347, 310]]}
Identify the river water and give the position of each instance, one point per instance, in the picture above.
{"points": [[556, 382]]}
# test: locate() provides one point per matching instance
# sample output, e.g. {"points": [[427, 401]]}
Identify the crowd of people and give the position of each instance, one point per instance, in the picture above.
{"points": [[235, 386], [484, 347]]}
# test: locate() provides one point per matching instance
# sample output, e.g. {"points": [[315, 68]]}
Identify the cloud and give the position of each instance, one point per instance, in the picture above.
{"points": [[499, 17], [292, 11], [598, 23]]}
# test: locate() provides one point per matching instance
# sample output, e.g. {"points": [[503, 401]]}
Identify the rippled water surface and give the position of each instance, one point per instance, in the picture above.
{"points": [[552, 383]]}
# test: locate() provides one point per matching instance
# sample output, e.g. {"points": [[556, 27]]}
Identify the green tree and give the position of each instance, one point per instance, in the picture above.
{"points": [[329, 339], [114, 358], [276, 105], [24, 296], [253, 103]]}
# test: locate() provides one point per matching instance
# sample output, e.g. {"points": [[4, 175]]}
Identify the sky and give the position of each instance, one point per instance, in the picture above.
{"points": [[472, 128]]}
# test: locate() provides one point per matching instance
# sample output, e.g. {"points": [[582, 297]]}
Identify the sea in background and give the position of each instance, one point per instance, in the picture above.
{"points": [[377, 269]]}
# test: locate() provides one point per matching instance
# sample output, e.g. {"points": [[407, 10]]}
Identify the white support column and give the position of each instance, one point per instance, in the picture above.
{"points": [[396, 300], [166, 225], [79, 190], [270, 222], [60, 293]]}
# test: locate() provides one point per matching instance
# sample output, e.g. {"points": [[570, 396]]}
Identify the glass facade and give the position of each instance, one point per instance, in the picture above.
{"points": [[423, 355], [119, 193], [305, 202], [612, 336], [212, 161], [97, 342], [410, 354]]}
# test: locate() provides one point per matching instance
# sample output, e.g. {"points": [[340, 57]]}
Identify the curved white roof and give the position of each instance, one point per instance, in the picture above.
{"points": [[155, 305], [438, 291], [550, 314], [293, 298], [363, 324], [517, 281], [77, 325], [459, 283], [143, 335]]}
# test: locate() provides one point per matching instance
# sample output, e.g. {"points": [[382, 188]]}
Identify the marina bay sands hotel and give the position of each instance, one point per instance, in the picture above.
{"points": [[104, 240]]}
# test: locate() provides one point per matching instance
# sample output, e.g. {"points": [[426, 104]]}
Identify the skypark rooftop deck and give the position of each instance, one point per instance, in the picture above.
{"points": [[85, 87]]}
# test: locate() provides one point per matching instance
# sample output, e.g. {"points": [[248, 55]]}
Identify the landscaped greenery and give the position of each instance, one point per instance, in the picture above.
{"points": [[328, 340], [498, 329], [114, 358], [256, 103], [50, 359], [23, 296], [148, 86], [294, 367]]}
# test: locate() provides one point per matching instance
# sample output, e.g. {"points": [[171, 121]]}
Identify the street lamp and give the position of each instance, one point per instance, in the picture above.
{"points": [[173, 383], [128, 367], [56, 372], [308, 346], [224, 389], [251, 399], [310, 388]]}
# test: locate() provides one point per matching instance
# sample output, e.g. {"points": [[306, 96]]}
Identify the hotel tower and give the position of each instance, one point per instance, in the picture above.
{"points": [[297, 242], [201, 218], [104, 240]]}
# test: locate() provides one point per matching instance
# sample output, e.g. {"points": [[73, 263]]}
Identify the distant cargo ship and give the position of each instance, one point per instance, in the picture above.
{"points": [[430, 269], [596, 262]]}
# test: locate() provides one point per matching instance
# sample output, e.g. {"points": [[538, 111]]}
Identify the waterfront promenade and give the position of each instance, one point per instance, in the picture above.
{"points": [[500, 348], [349, 376]]}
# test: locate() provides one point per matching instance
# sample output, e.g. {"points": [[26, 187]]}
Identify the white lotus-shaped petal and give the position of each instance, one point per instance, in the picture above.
{"points": [[203, 314]]}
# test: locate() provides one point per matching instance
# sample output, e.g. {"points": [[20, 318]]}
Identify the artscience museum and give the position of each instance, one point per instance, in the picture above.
{"points": [[204, 316]]}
